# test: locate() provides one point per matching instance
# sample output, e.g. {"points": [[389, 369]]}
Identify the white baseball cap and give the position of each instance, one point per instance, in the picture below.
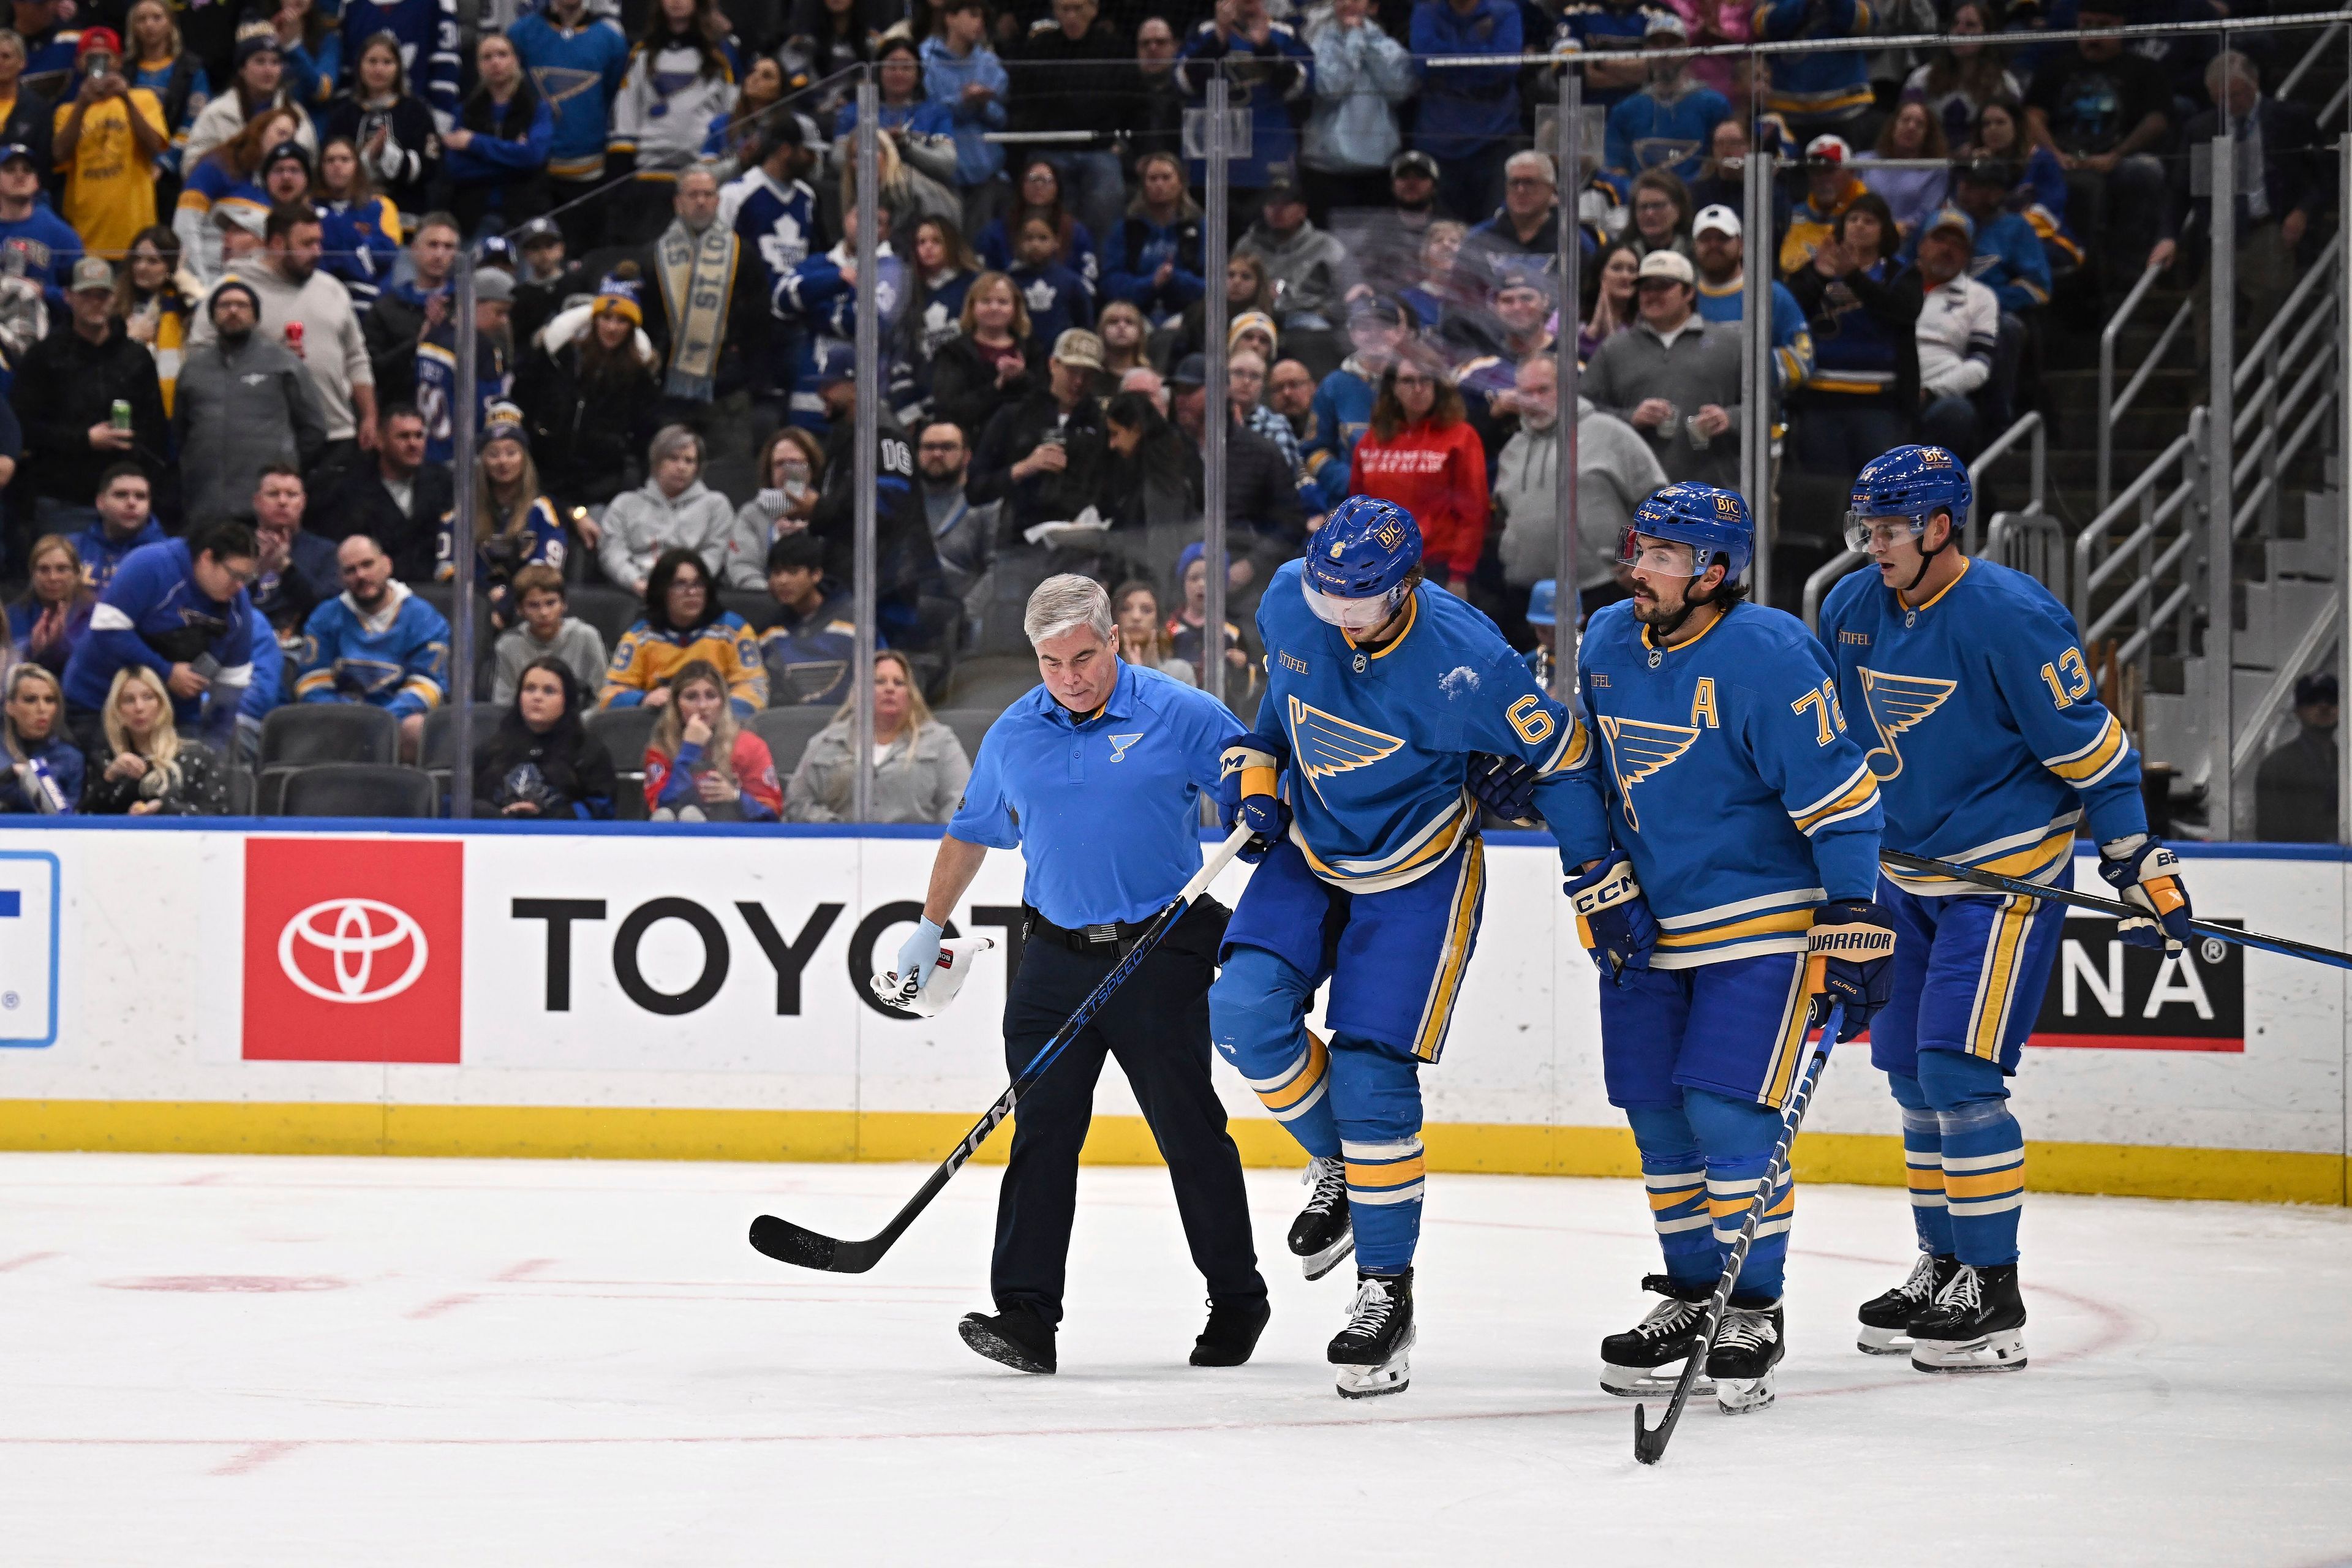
{"points": [[1719, 218]]}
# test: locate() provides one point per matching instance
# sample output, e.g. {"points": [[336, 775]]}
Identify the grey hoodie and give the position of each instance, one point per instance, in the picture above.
{"points": [[641, 524], [1615, 472], [235, 410], [1305, 267]]}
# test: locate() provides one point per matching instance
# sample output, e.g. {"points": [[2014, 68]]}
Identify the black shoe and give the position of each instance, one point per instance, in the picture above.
{"points": [[1976, 1324], [1324, 1233], [1015, 1336], [1886, 1320], [1630, 1363], [1747, 1348], [1370, 1352], [1232, 1332]]}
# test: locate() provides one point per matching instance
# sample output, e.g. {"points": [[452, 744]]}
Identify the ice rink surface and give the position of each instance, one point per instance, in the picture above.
{"points": [[262, 1360]]}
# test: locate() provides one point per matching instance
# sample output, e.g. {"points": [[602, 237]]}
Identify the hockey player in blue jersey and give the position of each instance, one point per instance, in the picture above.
{"points": [[1990, 748], [1381, 689], [1726, 897]]}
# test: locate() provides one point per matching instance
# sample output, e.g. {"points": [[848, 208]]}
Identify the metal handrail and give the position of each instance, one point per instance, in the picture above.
{"points": [[2310, 58], [2291, 669], [2109, 411], [2317, 273], [2088, 577]]}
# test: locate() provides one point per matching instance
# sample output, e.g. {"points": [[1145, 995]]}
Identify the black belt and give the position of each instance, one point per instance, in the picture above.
{"points": [[1108, 939]]}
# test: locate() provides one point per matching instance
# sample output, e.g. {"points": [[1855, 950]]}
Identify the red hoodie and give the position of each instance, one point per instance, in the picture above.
{"points": [[1438, 473]]}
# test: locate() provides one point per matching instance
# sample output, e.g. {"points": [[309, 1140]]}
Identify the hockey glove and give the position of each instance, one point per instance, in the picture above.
{"points": [[1504, 786], [2148, 877], [1249, 782], [1850, 954], [1612, 919]]}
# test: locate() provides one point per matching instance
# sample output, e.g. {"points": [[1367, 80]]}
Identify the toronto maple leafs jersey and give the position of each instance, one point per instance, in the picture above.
{"points": [[1376, 742], [1986, 730], [1730, 781]]}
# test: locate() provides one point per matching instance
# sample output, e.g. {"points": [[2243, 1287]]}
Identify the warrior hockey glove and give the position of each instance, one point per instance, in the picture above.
{"points": [[1612, 919], [2148, 875], [1247, 784], [1504, 786], [1850, 951]]}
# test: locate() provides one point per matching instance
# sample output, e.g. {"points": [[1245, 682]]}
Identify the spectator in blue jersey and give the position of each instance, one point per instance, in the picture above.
{"points": [[299, 572], [181, 609], [2009, 259], [576, 60], [405, 314], [1862, 307], [1596, 30], [772, 210], [1823, 89], [1362, 77], [359, 229], [819, 300], [65, 392], [377, 643], [1343, 402], [1152, 257], [436, 365], [1276, 71], [515, 524], [425, 32], [49, 48], [393, 130], [1957, 83], [962, 75], [310, 51], [1039, 196], [495, 157], [35, 242], [943, 271], [674, 101], [811, 648], [1670, 124], [125, 521], [2039, 194], [1057, 298], [1723, 293], [53, 613], [1469, 114], [542, 764], [242, 403], [43, 771]]}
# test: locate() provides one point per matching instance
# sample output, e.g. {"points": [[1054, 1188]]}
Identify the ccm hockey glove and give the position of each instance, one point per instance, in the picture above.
{"points": [[1612, 919], [1504, 786], [2148, 877], [1851, 952], [1247, 783]]}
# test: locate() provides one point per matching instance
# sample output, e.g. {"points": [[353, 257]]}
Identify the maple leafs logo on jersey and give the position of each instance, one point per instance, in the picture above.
{"points": [[1325, 745], [1638, 749], [1897, 703]]}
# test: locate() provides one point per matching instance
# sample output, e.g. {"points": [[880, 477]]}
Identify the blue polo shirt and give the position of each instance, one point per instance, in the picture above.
{"points": [[1104, 806]]}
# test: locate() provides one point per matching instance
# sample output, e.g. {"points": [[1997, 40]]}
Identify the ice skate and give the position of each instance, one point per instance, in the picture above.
{"points": [[1746, 1348], [1324, 1233], [1976, 1324], [1647, 1358], [1018, 1338], [1886, 1319], [1370, 1353]]}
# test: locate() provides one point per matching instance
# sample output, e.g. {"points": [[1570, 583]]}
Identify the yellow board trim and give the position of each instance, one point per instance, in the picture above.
{"points": [[556, 1133]]}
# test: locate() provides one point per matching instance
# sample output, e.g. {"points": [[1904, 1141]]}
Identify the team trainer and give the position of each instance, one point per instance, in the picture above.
{"points": [[1097, 777]]}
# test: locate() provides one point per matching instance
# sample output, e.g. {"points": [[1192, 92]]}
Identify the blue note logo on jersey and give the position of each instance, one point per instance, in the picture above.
{"points": [[1325, 745], [1638, 749], [1120, 744], [1897, 703]]}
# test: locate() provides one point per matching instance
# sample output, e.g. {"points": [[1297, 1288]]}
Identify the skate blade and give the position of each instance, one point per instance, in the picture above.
{"points": [[997, 1348], [2003, 1352], [1741, 1395], [1319, 1264], [1648, 1382], [1394, 1375], [1882, 1341]]}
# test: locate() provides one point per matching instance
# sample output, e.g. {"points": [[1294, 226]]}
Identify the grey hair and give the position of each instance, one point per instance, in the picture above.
{"points": [[669, 439], [2228, 63], [1531, 159], [1066, 603]]}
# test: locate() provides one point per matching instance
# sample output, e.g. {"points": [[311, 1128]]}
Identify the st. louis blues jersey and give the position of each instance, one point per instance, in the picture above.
{"points": [[1987, 737], [399, 662], [1376, 742], [1730, 779]]}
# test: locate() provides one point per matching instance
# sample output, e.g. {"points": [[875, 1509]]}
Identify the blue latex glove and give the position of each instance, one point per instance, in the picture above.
{"points": [[1612, 919], [1852, 942], [1504, 786], [2148, 875], [918, 956]]}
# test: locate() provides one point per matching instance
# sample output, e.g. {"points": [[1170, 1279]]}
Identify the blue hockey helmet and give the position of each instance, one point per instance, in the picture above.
{"points": [[1711, 520], [1542, 603], [1902, 490], [1358, 563]]}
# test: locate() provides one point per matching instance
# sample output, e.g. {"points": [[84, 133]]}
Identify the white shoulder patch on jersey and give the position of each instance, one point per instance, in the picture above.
{"points": [[1898, 703]]}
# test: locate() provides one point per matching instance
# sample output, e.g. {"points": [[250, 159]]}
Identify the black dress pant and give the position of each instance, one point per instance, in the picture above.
{"points": [[1157, 1025]]}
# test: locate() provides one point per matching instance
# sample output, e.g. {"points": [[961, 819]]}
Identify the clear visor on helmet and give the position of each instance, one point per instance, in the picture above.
{"points": [[1665, 557], [1357, 615], [1875, 534]]}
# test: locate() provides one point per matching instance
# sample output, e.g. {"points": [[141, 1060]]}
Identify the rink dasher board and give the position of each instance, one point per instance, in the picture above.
{"points": [[681, 991]]}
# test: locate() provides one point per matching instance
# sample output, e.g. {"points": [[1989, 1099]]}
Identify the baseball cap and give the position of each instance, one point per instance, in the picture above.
{"points": [[92, 272], [1951, 217], [1193, 369], [243, 214], [2310, 689], [1281, 188], [1420, 163], [1668, 264], [1080, 347], [1828, 149], [1542, 602], [95, 39], [1719, 218], [838, 363], [1664, 21], [283, 150], [16, 150], [1380, 307], [538, 231], [492, 287]]}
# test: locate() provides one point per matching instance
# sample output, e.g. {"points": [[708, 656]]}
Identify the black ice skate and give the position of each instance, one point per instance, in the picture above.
{"points": [[1232, 1332], [1886, 1320], [1370, 1353], [1976, 1324], [1747, 1348], [1019, 1339], [1324, 1233], [1647, 1358]]}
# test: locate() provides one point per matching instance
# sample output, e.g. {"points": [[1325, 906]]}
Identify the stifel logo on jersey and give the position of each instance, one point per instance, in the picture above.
{"points": [[354, 950], [1898, 703]]}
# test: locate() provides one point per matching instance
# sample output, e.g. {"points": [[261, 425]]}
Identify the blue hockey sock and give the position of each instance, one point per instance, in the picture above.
{"points": [[1676, 1177], [1375, 1100], [1923, 1160], [1736, 1137], [1984, 1155], [1257, 1011]]}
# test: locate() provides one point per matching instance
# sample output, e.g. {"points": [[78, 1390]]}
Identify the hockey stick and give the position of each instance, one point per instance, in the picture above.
{"points": [[1650, 1443], [789, 1243], [2025, 889]]}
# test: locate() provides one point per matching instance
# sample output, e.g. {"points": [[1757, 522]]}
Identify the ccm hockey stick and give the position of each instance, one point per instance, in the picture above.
{"points": [[1649, 1442], [789, 1243], [2025, 889]]}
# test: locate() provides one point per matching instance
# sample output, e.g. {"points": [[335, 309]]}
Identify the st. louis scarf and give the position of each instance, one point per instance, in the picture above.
{"points": [[697, 272]]}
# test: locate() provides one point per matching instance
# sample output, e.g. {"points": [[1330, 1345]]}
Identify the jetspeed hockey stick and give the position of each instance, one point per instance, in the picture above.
{"points": [[2120, 910], [789, 1243], [1650, 1443]]}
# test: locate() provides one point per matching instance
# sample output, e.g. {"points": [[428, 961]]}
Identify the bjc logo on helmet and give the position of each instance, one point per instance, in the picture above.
{"points": [[355, 949]]}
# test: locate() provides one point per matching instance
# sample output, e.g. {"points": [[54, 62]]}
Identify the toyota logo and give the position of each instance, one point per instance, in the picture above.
{"points": [[354, 933]]}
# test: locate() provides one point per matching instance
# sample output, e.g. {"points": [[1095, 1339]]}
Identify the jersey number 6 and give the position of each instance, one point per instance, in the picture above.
{"points": [[1528, 718]]}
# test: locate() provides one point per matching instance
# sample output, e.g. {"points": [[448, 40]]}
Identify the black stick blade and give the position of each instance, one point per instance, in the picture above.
{"points": [[788, 1243], [1650, 1444]]}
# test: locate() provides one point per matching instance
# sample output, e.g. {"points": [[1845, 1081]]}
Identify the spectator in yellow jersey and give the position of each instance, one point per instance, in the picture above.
{"points": [[106, 143], [685, 622]]}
